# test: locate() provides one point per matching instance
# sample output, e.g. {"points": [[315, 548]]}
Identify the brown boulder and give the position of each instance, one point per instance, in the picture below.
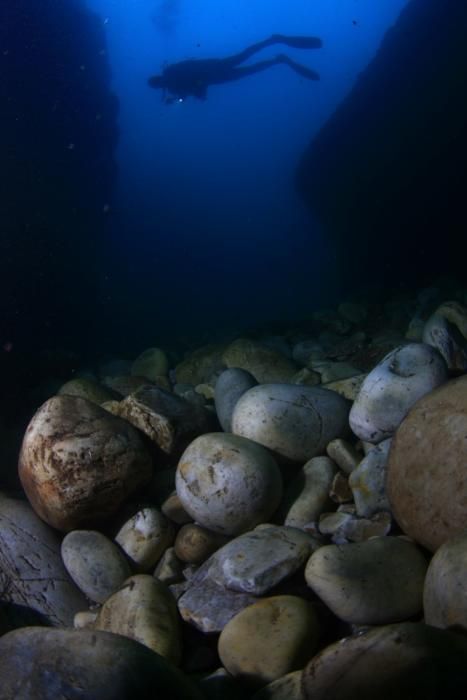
{"points": [[78, 463], [427, 466]]}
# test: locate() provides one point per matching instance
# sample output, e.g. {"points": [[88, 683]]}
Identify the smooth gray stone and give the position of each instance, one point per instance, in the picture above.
{"points": [[95, 563], [227, 483], [32, 573], [37, 663], [230, 386], [369, 583], [294, 422]]}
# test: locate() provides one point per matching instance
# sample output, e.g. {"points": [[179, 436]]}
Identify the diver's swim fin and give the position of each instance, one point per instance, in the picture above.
{"points": [[298, 68], [298, 42]]}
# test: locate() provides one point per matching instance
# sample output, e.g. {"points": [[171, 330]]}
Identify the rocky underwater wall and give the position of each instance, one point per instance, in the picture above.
{"points": [[58, 135], [386, 176]]}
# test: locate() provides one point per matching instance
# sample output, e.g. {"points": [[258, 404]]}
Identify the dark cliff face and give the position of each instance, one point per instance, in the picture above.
{"points": [[387, 175], [58, 132]]}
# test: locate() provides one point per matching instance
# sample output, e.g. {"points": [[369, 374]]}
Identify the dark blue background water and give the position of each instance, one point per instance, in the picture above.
{"points": [[208, 221]]}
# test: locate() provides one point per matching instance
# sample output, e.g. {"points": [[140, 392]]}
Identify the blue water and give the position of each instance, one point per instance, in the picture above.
{"points": [[207, 220]]}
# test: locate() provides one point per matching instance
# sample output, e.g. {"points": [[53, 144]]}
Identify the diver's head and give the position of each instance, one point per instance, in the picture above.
{"points": [[156, 81]]}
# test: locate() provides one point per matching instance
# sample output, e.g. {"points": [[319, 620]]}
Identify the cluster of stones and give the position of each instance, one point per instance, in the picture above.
{"points": [[277, 518]]}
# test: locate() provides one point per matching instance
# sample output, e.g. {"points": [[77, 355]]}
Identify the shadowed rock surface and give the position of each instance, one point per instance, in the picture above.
{"points": [[386, 176]]}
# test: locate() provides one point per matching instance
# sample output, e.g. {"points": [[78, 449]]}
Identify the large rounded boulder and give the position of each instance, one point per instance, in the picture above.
{"points": [[408, 661], [36, 662], [78, 462], [427, 467]]}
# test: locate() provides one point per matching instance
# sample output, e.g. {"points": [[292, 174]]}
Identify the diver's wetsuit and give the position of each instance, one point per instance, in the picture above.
{"points": [[192, 77]]}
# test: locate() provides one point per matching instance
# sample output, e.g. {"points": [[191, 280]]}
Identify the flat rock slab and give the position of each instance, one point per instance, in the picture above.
{"points": [[32, 573], [209, 606], [259, 560]]}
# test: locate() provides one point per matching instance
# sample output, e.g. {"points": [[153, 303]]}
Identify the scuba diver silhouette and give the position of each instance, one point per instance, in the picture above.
{"points": [[193, 76]]}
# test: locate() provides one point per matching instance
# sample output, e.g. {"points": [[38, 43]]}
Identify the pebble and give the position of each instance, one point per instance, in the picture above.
{"points": [[169, 569], [368, 481], [173, 509], [265, 364], [335, 525], [88, 389], [340, 491], [392, 387], [194, 544], [125, 384], [84, 620], [228, 483], [444, 599], [370, 583], [295, 422], [201, 365], [152, 363], [306, 377], [343, 454], [334, 371], [306, 351], [270, 638], [230, 386], [145, 610], [95, 563], [348, 388], [145, 537], [288, 687], [307, 495], [446, 330], [343, 527], [78, 463]]}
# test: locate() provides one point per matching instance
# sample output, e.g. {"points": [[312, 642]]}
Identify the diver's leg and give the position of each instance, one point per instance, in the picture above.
{"points": [[249, 51], [241, 72], [297, 67], [298, 42]]}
